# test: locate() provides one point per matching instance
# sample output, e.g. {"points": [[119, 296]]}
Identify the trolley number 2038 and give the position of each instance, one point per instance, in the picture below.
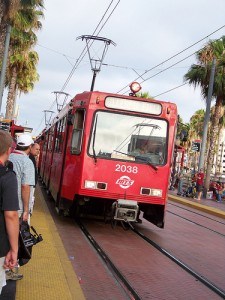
{"points": [[128, 169]]}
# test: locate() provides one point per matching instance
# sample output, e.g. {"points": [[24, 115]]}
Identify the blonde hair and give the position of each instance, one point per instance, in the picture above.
{"points": [[5, 141]]}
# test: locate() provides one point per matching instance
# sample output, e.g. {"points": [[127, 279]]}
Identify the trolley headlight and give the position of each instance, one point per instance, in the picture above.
{"points": [[90, 184], [151, 192], [156, 192]]}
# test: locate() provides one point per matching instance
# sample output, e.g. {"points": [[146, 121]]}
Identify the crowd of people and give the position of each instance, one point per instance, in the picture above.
{"points": [[18, 177], [195, 185]]}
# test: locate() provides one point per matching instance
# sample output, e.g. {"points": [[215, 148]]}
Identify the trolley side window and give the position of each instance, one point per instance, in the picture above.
{"points": [[45, 141], [60, 134], [78, 129], [51, 139]]}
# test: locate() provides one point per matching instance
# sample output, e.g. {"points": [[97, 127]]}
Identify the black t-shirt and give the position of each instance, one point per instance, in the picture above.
{"points": [[32, 157], [8, 202]]}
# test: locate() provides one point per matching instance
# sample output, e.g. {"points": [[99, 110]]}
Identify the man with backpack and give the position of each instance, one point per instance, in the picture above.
{"points": [[24, 169], [9, 206]]}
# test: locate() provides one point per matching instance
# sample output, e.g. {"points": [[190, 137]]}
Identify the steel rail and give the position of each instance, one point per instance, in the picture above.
{"points": [[193, 222], [132, 292], [198, 276], [196, 213]]}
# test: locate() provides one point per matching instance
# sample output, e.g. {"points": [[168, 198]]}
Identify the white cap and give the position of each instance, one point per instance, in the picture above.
{"points": [[24, 140]]}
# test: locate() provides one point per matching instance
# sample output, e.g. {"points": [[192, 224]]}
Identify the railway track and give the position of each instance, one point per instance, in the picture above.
{"points": [[184, 266], [198, 224], [121, 279], [197, 213], [130, 291]]}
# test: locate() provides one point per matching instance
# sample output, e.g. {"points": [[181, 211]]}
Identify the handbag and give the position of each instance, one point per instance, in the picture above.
{"points": [[26, 241]]}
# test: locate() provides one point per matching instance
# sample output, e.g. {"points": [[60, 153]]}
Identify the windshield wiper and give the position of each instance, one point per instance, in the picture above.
{"points": [[146, 159], [123, 153]]}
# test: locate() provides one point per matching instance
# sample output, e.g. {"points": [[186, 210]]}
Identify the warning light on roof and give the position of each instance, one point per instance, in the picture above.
{"points": [[135, 88]]}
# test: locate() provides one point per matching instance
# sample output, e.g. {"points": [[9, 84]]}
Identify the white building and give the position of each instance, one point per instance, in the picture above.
{"points": [[219, 161]]}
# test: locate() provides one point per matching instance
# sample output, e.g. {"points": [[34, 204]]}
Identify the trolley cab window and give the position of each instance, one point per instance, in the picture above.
{"points": [[128, 137], [78, 128]]}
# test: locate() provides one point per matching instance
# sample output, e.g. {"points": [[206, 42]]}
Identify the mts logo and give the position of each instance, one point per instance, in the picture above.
{"points": [[124, 182]]}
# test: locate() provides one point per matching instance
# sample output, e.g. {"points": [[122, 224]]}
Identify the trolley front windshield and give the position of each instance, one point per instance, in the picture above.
{"points": [[128, 137]]}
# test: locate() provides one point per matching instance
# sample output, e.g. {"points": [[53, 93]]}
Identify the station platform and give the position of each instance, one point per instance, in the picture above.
{"points": [[209, 206], [50, 274]]}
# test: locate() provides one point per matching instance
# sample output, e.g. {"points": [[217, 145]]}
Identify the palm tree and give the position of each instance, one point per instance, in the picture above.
{"points": [[22, 73], [144, 95], [196, 123], [198, 75], [22, 63], [8, 10], [195, 133]]}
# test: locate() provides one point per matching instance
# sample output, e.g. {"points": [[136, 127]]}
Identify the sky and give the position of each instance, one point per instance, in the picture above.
{"points": [[146, 33]]}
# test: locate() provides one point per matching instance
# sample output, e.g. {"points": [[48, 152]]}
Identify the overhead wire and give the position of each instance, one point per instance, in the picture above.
{"points": [[84, 51], [177, 87], [81, 56], [173, 56], [135, 69], [176, 63]]}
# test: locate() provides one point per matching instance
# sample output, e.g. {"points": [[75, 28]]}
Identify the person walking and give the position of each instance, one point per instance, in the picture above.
{"points": [[9, 206], [199, 184]]}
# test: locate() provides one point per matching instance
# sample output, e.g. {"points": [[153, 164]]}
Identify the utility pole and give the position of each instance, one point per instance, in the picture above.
{"points": [[4, 63], [207, 116]]}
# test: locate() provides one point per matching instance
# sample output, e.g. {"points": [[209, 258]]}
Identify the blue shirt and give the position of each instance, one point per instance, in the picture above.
{"points": [[24, 169]]}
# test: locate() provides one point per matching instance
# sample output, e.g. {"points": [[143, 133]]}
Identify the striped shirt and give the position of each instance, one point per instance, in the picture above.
{"points": [[24, 169]]}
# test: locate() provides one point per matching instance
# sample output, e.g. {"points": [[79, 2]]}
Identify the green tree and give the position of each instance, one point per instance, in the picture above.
{"points": [[196, 124], [195, 133], [144, 95], [198, 75], [8, 10], [22, 72]]}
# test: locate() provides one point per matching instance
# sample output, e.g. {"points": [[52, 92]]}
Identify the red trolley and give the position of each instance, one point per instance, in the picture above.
{"points": [[111, 154]]}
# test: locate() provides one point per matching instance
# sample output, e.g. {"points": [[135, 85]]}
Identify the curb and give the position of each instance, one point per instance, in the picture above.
{"points": [[210, 210]]}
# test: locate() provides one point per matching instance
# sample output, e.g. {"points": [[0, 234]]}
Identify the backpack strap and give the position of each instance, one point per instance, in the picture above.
{"points": [[3, 171]]}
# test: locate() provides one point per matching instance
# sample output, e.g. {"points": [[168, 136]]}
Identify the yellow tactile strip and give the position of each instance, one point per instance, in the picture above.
{"points": [[211, 210], [49, 274]]}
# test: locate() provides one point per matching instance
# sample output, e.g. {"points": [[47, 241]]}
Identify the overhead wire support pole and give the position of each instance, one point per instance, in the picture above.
{"points": [[207, 115], [48, 120], [96, 64], [60, 104]]}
